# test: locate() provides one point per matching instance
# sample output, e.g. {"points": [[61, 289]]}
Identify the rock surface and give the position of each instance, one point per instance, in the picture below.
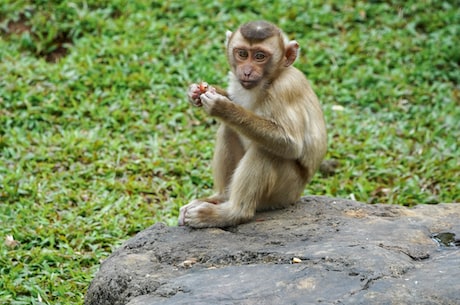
{"points": [[319, 251]]}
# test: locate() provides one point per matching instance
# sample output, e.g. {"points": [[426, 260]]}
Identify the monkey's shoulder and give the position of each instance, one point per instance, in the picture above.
{"points": [[291, 79]]}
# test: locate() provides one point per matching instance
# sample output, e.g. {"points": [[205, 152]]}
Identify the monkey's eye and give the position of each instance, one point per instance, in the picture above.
{"points": [[242, 53], [260, 56]]}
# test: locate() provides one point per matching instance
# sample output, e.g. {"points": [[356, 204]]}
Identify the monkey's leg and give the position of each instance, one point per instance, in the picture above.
{"points": [[260, 181], [228, 153], [202, 213], [264, 182]]}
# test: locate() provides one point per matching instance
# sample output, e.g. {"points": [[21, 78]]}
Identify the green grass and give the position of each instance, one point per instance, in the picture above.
{"points": [[97, 141]]}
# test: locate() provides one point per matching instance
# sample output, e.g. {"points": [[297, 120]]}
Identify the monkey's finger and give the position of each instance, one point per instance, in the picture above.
{"points": [[205, 101], [193, 94], [196, 102], [181, 220], [209, 95]]}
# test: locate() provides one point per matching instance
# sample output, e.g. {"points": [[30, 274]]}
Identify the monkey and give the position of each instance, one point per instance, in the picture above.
{"points": [[272, 134]]}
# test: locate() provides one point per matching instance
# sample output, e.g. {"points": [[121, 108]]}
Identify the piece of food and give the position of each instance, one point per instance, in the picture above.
{"points": [[203, 87]]}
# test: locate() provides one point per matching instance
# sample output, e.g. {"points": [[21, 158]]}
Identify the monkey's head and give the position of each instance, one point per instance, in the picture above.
{"points": [[258, 51]]}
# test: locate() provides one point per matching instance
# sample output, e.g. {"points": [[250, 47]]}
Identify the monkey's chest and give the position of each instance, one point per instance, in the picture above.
{"points": [[248, 100]]}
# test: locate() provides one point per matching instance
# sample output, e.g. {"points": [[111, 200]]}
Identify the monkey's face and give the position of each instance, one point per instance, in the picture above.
{"points": [[254, 61], [249, 65]]}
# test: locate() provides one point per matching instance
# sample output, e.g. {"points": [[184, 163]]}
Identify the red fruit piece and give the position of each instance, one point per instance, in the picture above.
{"points": [[203, 87]]}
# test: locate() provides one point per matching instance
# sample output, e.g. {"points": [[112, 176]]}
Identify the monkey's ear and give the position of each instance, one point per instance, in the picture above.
{"points": [[228, 35], [292, 51]]}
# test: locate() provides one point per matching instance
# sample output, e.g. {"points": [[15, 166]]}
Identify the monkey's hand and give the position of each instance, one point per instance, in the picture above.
{"points": [[196, 90], [213, 102], [193, 95]]}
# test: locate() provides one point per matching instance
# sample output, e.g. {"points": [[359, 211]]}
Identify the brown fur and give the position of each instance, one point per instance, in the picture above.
{"points": [[258, 31], [272, 138]]}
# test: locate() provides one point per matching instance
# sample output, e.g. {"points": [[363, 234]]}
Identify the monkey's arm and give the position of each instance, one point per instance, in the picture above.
{"points": [[221, 91], [266, 132]]}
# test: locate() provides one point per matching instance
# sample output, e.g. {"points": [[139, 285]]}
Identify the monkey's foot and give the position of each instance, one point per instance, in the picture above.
{"points": [[198, 214], [202, 214]]}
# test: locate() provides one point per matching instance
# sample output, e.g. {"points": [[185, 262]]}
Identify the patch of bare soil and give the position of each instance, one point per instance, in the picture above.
{"points": [[58, 47]]}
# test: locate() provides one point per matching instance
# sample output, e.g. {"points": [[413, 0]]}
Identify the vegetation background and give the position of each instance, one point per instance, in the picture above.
{"points": [[97, 141]]}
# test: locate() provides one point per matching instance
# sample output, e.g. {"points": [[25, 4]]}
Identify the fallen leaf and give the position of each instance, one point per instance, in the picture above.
{"points": [[10, 242], [338, 108]]}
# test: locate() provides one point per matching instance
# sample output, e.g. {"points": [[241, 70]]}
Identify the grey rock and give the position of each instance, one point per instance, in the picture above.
{"points": [[318, 251]]}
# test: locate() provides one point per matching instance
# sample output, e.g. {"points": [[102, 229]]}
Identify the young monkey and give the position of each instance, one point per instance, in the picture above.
{"points": [[272, 136]]}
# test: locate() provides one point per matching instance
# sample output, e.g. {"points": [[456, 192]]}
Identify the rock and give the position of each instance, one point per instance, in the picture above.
{"points": [[321, 250]]}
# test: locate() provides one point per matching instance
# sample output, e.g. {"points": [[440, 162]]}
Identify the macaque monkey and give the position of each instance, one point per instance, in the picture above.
{"points": [[272, 136]]}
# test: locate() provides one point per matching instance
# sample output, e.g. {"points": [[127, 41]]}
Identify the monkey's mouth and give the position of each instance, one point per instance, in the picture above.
{"points": [[247, 84]]}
